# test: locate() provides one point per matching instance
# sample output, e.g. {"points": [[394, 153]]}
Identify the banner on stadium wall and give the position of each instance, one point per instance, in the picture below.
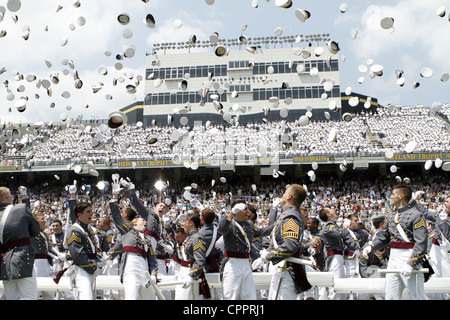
{"points": [[154, 163], [418, 156], [10, 168], [310, 159]]}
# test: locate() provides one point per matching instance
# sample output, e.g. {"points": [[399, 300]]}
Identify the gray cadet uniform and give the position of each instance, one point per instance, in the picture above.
{"points": [[335, 241], [210, 235], [409, 251], [286, 241], [193, 257], [82, 248], [137, 256], [16, 268], [154, 228], [236, 268]]}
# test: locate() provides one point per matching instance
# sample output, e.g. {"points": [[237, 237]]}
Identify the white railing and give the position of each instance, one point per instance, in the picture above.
{"points": [[261, 280]]}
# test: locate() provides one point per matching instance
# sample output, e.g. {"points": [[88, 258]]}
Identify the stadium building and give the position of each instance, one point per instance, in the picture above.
{"points": [[245, 79]]}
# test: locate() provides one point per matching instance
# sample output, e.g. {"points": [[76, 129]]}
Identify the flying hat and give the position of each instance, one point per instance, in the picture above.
{"points": [[283, 3], [117, 119], [123, 19], [149, 21], [302, 15]]}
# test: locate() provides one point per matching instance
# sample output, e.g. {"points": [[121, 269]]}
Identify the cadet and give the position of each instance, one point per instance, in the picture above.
{"points": [[286, 241], [17, 227], [138, 263], [193, 256], [407, 235], [335, 239], [42, 254], [236, 269], [154, 225], [82, 248]]}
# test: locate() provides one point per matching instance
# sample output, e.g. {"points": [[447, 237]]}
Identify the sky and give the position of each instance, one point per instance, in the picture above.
{"points": [[48, 40]]}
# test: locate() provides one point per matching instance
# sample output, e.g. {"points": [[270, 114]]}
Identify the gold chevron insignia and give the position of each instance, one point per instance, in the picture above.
{"points": [[199, 245], [420, 224], [290, 229], [73, 237]]}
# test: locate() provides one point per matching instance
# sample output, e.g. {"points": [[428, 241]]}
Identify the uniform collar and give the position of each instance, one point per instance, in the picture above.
{"points": [[291, 206]]}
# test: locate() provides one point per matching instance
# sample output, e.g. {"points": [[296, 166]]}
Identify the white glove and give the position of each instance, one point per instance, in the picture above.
{"points": [[127, 183], [116, 187], [366, 251], [239, 207], [151, 280], [187, 282], [257, 264], [276, 202], [311, 251], [72, 189], [167, 248], [443, 216], [406, 271], [62, 256], [418, 195], [22, 191]]}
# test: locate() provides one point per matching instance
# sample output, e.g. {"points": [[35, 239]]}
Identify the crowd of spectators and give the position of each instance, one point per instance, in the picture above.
{"points": [[367, 134]]}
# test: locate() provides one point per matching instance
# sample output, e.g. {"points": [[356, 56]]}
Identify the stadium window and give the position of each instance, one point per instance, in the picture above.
{"points": [[282, 94], [154, 99], [295, 93], [307, 66], [173, 98], [336, 91], [334, 65], [308, 93], [315, 92], [281, 67], [301, 93]]}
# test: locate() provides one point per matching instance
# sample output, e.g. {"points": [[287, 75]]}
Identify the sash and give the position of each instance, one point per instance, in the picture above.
{"points": [[89, 238], [213, 241], [244, 234], [2, 222], [400, 229]]}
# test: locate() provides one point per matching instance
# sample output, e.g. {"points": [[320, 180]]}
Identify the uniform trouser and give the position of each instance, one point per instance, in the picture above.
{"points": [[135, 278], [237, 282], [83, 284], [439, 260], [335, 264], [282, 285], [21, 289], [190, 293], [42, 268], [396, 283]]}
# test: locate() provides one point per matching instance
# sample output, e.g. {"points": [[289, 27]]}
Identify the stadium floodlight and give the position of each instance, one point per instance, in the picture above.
{"points": [[234, 42], [159, 185]]}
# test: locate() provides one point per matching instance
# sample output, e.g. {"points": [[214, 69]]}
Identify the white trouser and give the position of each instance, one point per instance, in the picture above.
{"points": [[190, 293], [112, 270], [237, 281], [335, 264], [350, 267], [439, 261], [282, 285], [396, 283], [42, 268], [174, 268], [83, 284], [135, 278], [21, 289]]}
